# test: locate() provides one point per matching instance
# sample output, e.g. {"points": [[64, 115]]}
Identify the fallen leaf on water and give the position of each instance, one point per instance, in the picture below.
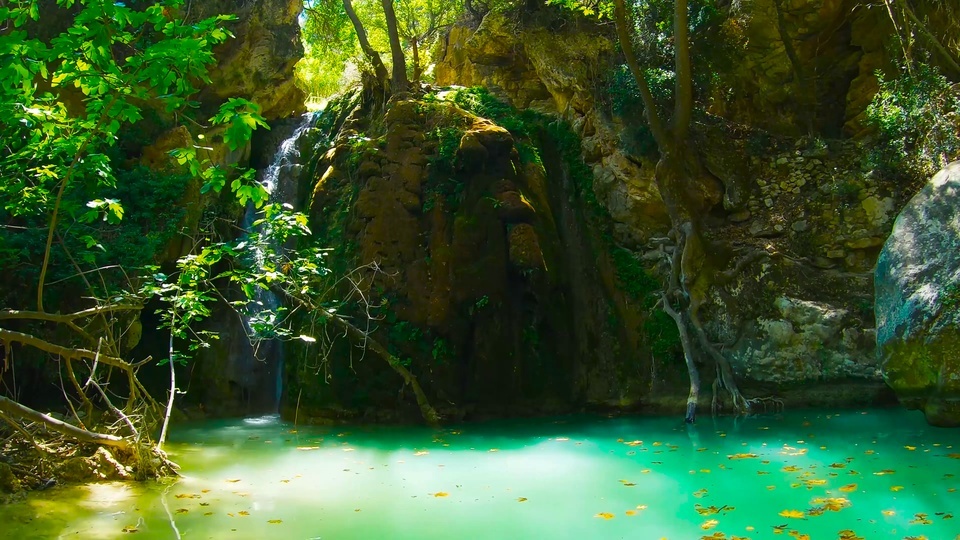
{"points": [[441, 494], [848, 488], [307, 448], [521, 499], [921, 537], [187, 496], [130, 529], [208, 513], [709, 524], [790, 468], [631, 512], [920, 519], [604, 515], [838, 465], [233, 480], [796, 514], [715, 536], [887, 512], [627, 483], [700, 493], [884, 472], [742, 456], [847, 534], [421, 453], [182, 510], [641, 507], [633, 443], [274, 521], [243, 513], [911, 448], [896, 488]]}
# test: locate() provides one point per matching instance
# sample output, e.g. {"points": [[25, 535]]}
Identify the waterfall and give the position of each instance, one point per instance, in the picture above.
{"points": [[280, 179]]}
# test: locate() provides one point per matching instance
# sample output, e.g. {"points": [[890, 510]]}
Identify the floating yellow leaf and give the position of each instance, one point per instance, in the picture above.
{"points": [[187, 496], [604, 515], [847, 534], [182, 510], [243, 513], [421, 453], [887, 512], [633, 443], [920, 519], [790, 468], [896, 488], [521, 499], [796, 514], [700, 493], [715, 536], [307, 448], [274, 521], [743, 456], [631, 512], [837, 465], [441, 494], [911, 448], [709, 524], [130, 529], [884, 472], [641, 507], [233, 480], [848, 488]]}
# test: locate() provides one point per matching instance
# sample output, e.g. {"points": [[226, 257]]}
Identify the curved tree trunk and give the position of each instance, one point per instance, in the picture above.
{"points": [[378, 68]]}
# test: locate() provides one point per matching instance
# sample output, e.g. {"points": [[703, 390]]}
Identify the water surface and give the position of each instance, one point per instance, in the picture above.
{"points": [[857, 474]]}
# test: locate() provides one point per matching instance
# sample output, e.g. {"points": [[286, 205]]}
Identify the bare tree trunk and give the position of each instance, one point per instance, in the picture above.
{"points": [[400, 83], [416, 62], [692, 371], [378, 68], [173, 389]]}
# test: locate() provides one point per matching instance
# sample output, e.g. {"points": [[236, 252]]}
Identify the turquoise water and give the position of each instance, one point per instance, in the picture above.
{"points": [[873, 475]]}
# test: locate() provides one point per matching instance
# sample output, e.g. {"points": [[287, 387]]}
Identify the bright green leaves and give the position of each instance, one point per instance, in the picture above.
{"points": [[109, 210], [241, 117]]}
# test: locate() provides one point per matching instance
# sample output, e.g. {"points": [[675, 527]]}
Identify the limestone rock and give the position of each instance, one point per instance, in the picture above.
{"points": [[258, 63], [917, 281]]}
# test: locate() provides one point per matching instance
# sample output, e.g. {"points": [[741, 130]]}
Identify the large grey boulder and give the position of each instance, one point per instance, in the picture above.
{"points": [[917, 282]]}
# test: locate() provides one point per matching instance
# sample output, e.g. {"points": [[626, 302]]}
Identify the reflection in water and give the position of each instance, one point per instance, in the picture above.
{"points": [[882, 474]]}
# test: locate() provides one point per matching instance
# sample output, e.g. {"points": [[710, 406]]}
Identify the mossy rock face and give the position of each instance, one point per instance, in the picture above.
{"points": [[917, 282]]}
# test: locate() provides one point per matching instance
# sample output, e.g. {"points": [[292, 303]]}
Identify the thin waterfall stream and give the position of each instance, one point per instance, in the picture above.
{"points": [[280, 180]]}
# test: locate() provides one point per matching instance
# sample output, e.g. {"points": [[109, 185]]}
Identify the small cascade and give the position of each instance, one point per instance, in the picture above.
{"points": [[280, 179]]}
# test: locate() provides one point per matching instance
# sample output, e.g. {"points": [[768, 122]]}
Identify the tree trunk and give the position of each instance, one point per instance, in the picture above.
{"points": [[400, 83], [379, 70], [416, 62]]}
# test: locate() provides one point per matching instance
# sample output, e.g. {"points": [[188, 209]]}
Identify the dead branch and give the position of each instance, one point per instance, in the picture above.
{"points": [[8, 336], [22, 411]]}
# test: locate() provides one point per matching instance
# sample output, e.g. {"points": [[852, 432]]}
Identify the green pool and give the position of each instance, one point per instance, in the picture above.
{"points": [[818, 475]]}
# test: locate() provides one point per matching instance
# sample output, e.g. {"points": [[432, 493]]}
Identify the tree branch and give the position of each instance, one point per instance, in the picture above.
{"points": [[16, 409], [7, 336]]}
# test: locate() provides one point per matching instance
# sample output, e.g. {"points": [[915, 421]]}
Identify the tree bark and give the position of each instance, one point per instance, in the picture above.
{"points": [[649, 105], [379, 70], [400, 83], [22, 411], [683, 108], [416, 62]]}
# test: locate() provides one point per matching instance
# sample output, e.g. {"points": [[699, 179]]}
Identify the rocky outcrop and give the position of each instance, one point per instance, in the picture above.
{"points": [[802, 313], [488, 275], [918, 301], [257, 64]]}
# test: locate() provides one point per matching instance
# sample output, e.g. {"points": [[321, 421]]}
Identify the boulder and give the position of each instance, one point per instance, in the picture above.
{"points": [[917, 307]]}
